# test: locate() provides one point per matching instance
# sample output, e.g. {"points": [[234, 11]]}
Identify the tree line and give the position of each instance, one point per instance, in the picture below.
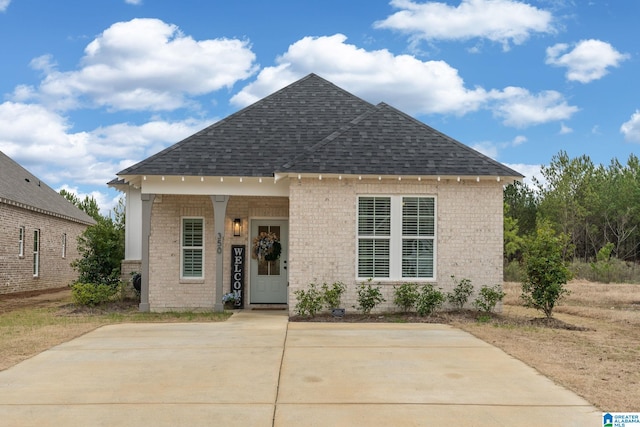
{"points": [[596, 207]]}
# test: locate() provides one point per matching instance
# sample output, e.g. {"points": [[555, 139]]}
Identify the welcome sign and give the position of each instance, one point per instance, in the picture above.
{"points": [[238, 255]]}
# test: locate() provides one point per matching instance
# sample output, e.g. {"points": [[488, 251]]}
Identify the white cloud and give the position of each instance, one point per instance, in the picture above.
{"points": [[414, 86], [631, 128], [520, 108], [43, 142], [487, 148], [564, 129], [587, 61], [501, 21], [518, 140], [135, 2], [106, 201], [145, 64], [529, 172], [4, 4]]}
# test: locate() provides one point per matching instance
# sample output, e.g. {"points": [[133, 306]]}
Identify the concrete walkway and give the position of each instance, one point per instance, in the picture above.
{"points": [[257, 369]]}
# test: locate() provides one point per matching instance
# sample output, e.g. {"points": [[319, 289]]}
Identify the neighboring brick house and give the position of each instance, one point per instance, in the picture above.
{"points": [[352, 190], [38, 232]]}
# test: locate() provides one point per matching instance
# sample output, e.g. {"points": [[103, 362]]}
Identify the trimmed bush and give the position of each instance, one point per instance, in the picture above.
{"points": [[332, 295], [309, 301], [461, 293], [368, 297], [488, 298], [90, 294], [430, 300], [406, 296]]}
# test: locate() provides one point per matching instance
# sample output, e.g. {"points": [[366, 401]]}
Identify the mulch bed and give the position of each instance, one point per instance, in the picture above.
{"points": [[445, 317]]}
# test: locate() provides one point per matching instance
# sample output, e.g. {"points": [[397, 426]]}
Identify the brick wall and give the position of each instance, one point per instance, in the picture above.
{"points": [[166, 290], [16, 273], [322, 236], [322, 239]]}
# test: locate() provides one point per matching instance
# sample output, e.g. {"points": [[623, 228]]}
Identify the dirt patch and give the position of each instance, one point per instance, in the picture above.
{"points": [[41, 298]]}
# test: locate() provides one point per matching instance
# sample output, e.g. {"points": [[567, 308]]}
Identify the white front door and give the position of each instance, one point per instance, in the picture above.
{"points": [[269, 277]]}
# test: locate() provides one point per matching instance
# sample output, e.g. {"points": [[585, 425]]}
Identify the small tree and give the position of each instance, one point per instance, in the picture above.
{"points": [[546, 270]]}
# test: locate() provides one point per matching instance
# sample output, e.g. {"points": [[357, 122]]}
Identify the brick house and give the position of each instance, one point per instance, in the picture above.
{"points": [[350, 190], [38, 232]]}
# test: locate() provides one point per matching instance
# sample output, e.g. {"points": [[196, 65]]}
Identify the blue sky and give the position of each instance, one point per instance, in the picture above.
{"points": [[89, 88]]}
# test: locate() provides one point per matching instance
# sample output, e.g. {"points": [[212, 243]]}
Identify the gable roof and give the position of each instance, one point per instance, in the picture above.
{"points": [[313, 126], [20, 188]]}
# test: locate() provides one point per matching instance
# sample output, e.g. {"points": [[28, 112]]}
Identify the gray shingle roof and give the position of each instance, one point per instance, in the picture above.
{"points": [[21, 188], [313, 126]]}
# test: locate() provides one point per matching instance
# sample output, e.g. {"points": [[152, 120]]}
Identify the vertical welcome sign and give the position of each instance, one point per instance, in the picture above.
{"points": [[238, 253]]}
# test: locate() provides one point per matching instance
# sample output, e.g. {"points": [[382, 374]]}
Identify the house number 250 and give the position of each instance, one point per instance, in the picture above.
{"points": [[219, 243]]}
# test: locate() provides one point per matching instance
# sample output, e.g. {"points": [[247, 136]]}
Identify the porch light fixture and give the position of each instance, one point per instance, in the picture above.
{"points": [[237, 227]]}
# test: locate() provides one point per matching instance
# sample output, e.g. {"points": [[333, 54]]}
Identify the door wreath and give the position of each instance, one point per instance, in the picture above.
{"points": [[266, 247]]}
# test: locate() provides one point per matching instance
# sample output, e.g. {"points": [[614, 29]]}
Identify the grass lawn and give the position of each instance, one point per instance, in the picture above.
{"points": [[33, 324]]}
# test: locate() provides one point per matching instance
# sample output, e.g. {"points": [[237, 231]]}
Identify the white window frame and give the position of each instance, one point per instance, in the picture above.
{"points": [[36, 252], [396, 238], [183, 248], [21, 235], [64, 245]]}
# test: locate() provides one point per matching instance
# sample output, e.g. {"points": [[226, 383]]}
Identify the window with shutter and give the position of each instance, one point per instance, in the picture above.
{"points": [[396, 237], [192, 248]]}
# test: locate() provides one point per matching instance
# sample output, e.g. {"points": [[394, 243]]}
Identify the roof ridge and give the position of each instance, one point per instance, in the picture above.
{"points": [[328, 139]]}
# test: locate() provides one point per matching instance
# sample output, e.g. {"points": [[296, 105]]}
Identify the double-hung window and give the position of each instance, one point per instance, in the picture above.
{"points": [[192, 248], [21, 242], [64, 245], [396, 237], [36, 253]]}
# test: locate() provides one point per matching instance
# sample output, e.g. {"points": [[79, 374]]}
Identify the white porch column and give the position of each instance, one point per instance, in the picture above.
{"points": [[147, 205], [219, 215]]}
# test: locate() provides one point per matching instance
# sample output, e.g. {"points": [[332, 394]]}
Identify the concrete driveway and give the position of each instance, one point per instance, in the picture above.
{"points": [[257, 369]]}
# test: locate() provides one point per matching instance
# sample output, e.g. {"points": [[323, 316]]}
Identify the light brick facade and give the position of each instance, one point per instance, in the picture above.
{"points": [[16, 272], [323, 226], [167, 291], [322, 236]]}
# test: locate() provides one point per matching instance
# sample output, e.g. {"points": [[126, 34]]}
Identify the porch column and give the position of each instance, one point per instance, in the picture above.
{"points": [[147, 205], [219, 215]]}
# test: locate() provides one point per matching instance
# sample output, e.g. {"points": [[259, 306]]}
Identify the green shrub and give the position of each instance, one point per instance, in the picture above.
{"points": [[619, 271], [332, 295], [430, 300], [513, 271], [488, 298], [90, 294], [406, 296], [461, 293], [309, 301], [368, 297], [603, 266]]}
